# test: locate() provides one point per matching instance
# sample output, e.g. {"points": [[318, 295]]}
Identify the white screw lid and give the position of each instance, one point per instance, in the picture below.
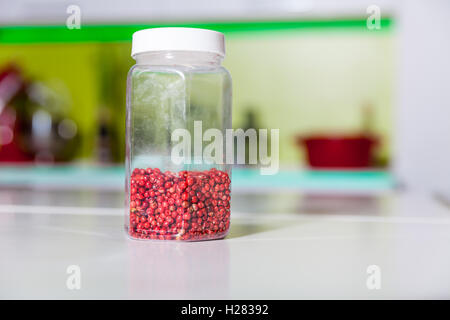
{"points": [[178, 39]]}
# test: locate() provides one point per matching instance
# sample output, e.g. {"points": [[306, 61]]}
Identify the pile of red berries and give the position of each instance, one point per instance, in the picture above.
{"points": [[190, 205]]}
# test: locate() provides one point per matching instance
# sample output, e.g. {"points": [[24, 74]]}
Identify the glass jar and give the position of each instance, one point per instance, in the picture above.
{"points": [[176, 92]]}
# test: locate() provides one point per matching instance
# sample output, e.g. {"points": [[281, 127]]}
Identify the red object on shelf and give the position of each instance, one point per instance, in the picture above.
{"points": [[12, 85], [339, 151]]}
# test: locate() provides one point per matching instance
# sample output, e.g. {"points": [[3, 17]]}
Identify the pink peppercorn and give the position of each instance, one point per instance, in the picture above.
{"points": [[170, 206]]}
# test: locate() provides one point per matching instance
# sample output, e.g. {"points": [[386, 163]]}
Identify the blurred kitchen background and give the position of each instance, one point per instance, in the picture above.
{"points": [[363, 105]]}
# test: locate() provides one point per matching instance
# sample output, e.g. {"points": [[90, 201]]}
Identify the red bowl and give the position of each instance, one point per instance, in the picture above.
{"points": [[338, 151]]}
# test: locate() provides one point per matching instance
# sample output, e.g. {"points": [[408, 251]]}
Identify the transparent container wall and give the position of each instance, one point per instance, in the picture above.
{"points": [[166, 199]]}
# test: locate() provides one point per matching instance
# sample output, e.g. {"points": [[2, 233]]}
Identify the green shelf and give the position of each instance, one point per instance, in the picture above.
{"points": [[243, 179], [123, 32]]}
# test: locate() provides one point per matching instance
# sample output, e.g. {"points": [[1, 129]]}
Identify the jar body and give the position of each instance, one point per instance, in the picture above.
{"points": [[173, 190]]}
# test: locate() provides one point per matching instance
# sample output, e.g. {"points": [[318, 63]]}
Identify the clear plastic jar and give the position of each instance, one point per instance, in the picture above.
{"points": [[177, 83]]}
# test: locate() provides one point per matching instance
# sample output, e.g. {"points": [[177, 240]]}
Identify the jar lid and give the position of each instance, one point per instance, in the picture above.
{"points": [[178, 39]]}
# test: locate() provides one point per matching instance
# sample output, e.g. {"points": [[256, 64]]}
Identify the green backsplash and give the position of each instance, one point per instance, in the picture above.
{"points": [[301, 77]]}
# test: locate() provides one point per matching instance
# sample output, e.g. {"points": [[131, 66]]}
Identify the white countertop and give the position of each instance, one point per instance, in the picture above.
{"points": [[279, 247]]}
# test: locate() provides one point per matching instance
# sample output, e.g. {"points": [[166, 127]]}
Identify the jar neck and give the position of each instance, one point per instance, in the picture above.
{"points": [[179, 58]]}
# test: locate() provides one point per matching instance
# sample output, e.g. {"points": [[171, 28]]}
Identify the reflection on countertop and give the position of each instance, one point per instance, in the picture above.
{"points": [[281, 245], [392, 203]]}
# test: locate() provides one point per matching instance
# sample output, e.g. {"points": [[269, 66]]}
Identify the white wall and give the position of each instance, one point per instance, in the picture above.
{"points": [[21, 12], [422, 138]]}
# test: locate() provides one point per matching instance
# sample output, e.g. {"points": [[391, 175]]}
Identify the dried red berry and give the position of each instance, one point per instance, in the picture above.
{"points": [[190, 205]]}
